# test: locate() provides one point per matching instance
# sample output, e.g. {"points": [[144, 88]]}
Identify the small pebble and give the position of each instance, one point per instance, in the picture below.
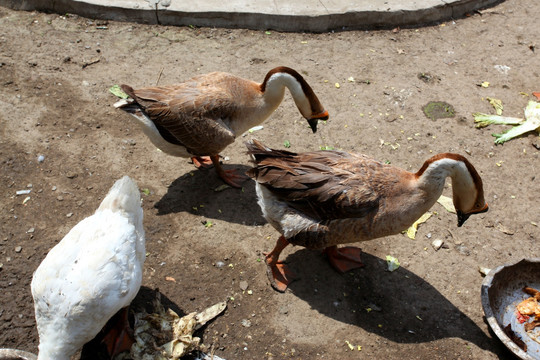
{"points": [[437, 243], [31, 230], [18, 249], [463, 249], [60, 198], [69, 214], [40, 158], [220, 264], [246, 323], [484, 270], [243, 285], [53, 188]]}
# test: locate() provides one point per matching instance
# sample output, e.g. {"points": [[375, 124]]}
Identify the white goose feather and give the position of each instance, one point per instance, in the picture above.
{"points": [[91, 274]]}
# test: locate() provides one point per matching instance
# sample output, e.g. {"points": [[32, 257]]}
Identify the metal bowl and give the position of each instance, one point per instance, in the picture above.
{"points": [[502, 291]]}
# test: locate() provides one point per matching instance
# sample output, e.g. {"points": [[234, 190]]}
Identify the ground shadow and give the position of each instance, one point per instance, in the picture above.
{"points": [[399, 305], [198, 187]]}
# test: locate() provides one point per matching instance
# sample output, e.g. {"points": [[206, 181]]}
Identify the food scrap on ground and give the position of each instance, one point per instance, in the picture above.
{"points": [[221, 187], [530, 123], [411, 231], [497, 104], [117, 91], [393, 263], [447, 203], [256, 128], [163, 335]]}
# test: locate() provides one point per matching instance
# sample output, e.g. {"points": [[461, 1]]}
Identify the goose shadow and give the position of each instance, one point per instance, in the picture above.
{"points": [[200, 187], [399, 305]]}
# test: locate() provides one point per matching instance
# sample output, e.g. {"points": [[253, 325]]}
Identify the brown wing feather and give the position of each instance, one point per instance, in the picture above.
{"points": [[325, 185], [189, 114]]}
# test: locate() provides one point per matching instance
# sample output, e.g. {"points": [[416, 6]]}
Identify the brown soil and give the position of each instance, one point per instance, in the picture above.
{"points": [[55, 73]]}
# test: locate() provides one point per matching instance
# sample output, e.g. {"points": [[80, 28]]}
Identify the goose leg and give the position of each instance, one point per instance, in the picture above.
{"points": [[119, 337], [345, 258], [279, 274], [231, 177], [201, 161]]}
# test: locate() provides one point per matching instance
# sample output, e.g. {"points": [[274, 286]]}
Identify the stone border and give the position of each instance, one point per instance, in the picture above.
{"points": [[280, 15]]}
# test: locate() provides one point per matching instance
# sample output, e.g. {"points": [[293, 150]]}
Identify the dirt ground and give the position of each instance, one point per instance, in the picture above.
{"points": [[55, 72]]}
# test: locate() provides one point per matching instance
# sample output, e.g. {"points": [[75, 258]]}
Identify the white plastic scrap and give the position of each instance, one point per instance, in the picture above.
{"points": [[256, 128], [503, 69]]}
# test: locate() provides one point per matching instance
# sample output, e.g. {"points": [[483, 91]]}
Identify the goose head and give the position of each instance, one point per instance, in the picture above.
{"points": [[468, 190], [467, 187], [305, 99], [468, 194]]}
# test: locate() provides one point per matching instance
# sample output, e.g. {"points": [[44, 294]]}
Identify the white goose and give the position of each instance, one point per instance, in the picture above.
{"points": [[90, 275], [322, 199], [205, 114]]}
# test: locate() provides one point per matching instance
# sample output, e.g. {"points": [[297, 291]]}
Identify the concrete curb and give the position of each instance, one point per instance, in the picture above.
{"points": [[280, 15]]}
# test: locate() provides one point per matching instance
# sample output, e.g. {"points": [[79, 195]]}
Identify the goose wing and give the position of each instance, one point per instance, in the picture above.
{"points": [[324, 185], [193, 114]]}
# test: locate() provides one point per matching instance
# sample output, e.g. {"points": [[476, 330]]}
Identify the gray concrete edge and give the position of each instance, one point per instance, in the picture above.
{"points": [[352, 20]]}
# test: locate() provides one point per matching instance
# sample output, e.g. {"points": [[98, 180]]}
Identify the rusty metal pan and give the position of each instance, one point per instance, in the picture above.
{"points": [[12, 354], [502, 291]]}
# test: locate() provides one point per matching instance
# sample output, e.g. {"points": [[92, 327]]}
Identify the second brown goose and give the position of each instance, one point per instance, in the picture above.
{"points": [[205, 114], [322, 199]]}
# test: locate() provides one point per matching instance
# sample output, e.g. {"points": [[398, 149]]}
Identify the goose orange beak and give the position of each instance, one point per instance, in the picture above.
{"points": [[313, 121]]}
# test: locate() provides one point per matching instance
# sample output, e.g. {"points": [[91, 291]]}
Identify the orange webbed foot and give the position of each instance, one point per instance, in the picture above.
{"points": [[280, 276], [232, 178], [119, 337], [344, 259], [202, 161]]}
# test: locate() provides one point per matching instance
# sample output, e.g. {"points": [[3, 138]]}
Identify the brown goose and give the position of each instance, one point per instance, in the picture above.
{"points": [[324, 198], [205, 114]]}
